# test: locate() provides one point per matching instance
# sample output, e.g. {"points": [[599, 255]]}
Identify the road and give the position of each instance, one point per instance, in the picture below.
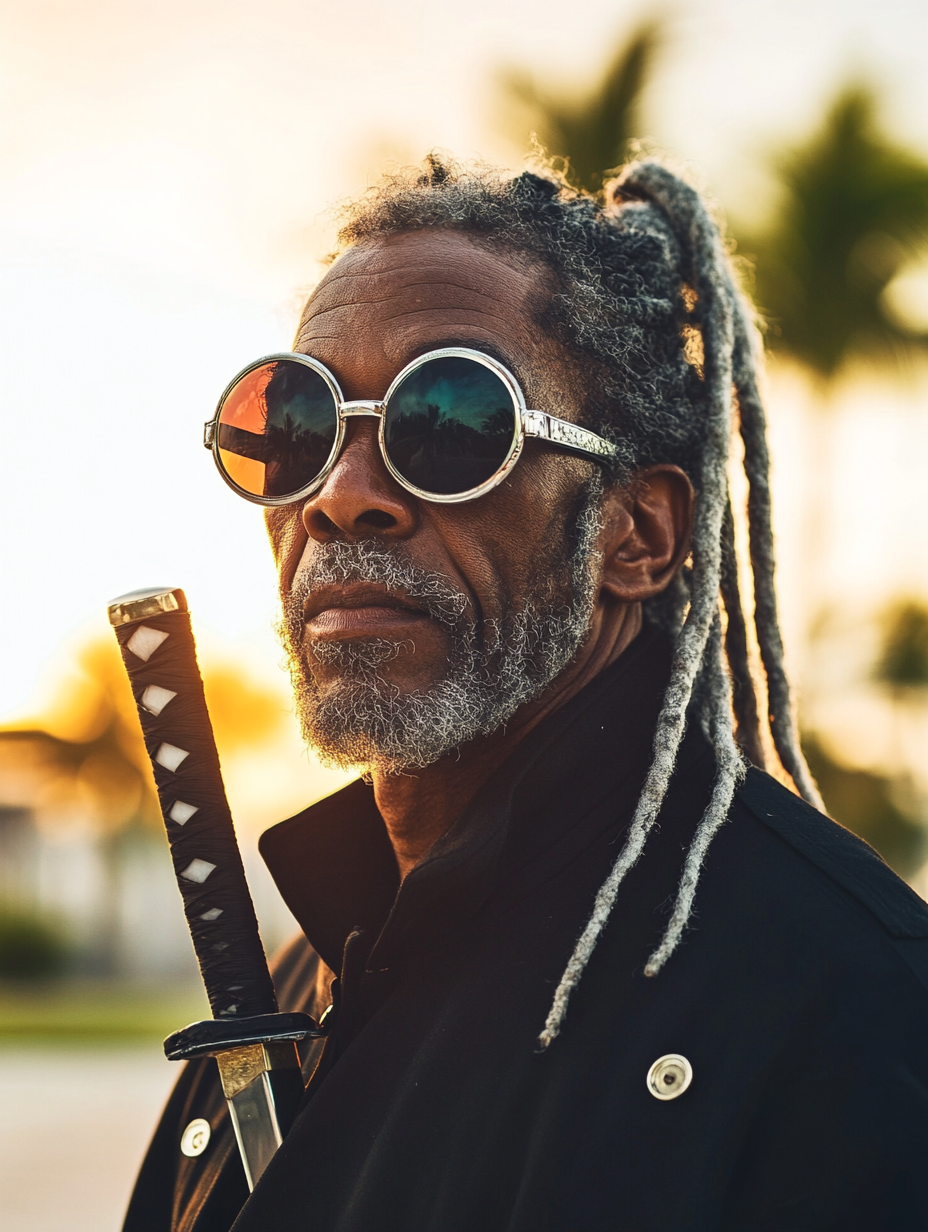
{"points": [[74, 1125]]}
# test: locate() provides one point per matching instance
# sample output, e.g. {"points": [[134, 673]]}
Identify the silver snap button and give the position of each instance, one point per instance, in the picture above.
{"points": [[669, 1076], [195, 1138]]}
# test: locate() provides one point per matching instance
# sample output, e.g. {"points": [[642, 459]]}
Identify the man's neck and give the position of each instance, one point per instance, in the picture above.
{"points": [[419, 806]]}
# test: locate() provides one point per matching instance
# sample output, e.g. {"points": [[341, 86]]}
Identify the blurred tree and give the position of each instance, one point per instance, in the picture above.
{"points": [[244, 711], [89, 759], [864, 803], [31, 947], [852, 215], [93, 742], [97, 744], [902, 670], [591, 130], [902, 666]]}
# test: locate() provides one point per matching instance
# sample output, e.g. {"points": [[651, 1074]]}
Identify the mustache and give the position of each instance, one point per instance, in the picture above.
{"points": [[392, 567]]}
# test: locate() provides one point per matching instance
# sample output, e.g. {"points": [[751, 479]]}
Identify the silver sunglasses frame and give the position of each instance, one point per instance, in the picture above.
{"points": [[527, 423]]}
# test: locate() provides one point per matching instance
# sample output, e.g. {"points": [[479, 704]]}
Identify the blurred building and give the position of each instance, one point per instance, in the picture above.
{"points": [[112, 894]]}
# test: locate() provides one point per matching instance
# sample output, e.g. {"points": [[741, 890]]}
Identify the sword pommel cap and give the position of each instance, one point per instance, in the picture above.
{"points": [[140, 604]]}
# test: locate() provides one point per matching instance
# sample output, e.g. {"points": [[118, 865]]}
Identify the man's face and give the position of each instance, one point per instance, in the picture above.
{"points": [[413, 626]]}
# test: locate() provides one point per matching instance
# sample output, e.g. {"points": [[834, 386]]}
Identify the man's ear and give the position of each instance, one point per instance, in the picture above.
{"points": [[646, 533]]}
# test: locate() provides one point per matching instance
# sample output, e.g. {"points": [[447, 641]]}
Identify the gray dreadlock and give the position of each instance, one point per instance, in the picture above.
{"points": [[645, 295]]}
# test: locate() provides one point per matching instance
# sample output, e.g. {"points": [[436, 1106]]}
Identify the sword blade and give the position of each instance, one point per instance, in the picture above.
{"points": [[262, 1084]]}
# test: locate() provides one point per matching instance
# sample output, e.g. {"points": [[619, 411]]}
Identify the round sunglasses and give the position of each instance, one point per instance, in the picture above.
{"points": [[451, 426]]}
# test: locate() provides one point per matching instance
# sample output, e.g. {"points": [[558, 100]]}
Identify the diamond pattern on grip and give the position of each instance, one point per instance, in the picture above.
{"points": [[170, 756], [144, 642], [198, 870], [160, 658], [154, 699], [181, 812]]}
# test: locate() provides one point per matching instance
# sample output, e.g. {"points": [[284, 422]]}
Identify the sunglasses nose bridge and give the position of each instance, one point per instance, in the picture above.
{"points": [[358, 497], [349, 410]]}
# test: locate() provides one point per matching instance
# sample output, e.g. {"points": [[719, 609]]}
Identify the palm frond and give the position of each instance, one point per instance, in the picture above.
{"points": [[854, 214], [589, 129]]}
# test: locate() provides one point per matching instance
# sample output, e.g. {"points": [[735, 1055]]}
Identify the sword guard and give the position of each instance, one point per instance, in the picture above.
{"points": [[214, 1035]]}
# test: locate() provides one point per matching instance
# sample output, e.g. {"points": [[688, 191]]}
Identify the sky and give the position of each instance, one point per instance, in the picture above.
{"points": [[168, 173]]}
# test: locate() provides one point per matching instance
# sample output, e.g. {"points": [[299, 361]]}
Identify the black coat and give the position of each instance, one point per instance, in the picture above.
{"points": [[799, 998]]}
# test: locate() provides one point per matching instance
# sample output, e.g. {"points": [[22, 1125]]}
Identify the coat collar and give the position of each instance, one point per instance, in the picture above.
{"points": [[335, 868]]}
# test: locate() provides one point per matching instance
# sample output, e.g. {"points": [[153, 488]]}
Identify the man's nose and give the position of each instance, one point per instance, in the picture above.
{"points": [[360, 499]]}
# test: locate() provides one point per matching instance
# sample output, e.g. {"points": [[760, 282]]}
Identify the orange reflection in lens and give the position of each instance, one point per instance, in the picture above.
{"points": [[245, 409], [248, 473], [245, 406]]}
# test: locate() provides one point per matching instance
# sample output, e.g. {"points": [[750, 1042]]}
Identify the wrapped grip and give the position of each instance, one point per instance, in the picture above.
{"points": [[160, 657]]}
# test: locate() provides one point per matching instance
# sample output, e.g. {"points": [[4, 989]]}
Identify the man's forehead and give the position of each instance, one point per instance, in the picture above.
{"points": [[423, 289]]}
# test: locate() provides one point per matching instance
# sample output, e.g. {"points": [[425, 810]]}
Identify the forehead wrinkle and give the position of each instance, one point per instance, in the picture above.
{"points": [[411, 312], [416, 259], [386, 299], [447, 282], [401, 338], [424, 254], [481, 292], [395, 332], [422, 265], [388, 306], [335, 275]]}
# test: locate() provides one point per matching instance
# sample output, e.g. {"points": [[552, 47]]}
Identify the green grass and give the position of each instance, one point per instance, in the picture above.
{"points": [[90, 1012]]}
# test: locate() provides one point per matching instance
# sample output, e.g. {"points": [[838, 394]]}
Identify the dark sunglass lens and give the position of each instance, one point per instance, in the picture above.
{"points": [[277, 427], [449, 426]]}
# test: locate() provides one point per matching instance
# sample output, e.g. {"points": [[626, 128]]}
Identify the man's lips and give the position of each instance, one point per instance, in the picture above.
{"points": [[359, 611]]}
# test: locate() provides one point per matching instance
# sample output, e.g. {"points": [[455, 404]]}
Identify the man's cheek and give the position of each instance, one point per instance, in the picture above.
{"points": [[288, 541]]}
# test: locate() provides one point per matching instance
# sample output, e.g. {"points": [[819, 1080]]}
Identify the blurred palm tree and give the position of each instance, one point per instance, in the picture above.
{"points": [[902, 666], [590, 130], [853, 213], [902, 670], [851, 216], [85, 757], [91, 760], [93, 753], [869, 805]]}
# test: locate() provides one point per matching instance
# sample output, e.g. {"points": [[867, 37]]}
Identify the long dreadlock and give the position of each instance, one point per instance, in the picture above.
{"points": [[646, 296]]}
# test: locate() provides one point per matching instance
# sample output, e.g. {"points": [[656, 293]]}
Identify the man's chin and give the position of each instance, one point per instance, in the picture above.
{"points": [[367, 723], [366, 719], [386, 670]]}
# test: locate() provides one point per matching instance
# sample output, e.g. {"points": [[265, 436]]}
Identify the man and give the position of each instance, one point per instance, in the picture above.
{"points": [[581, 968]]}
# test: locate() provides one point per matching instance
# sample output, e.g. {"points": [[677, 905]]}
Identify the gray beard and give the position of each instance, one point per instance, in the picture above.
{"points": [[363, 720]]}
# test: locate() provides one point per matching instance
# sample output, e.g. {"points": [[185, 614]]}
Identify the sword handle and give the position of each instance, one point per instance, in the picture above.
{"points": [[156, 641]]}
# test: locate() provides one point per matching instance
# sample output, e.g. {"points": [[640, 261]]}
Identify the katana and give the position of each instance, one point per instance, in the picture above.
{"points": [[253, 1043]]}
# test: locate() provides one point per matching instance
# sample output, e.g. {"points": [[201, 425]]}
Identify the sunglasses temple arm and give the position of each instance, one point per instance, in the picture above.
{"points": [[568, 436]]}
